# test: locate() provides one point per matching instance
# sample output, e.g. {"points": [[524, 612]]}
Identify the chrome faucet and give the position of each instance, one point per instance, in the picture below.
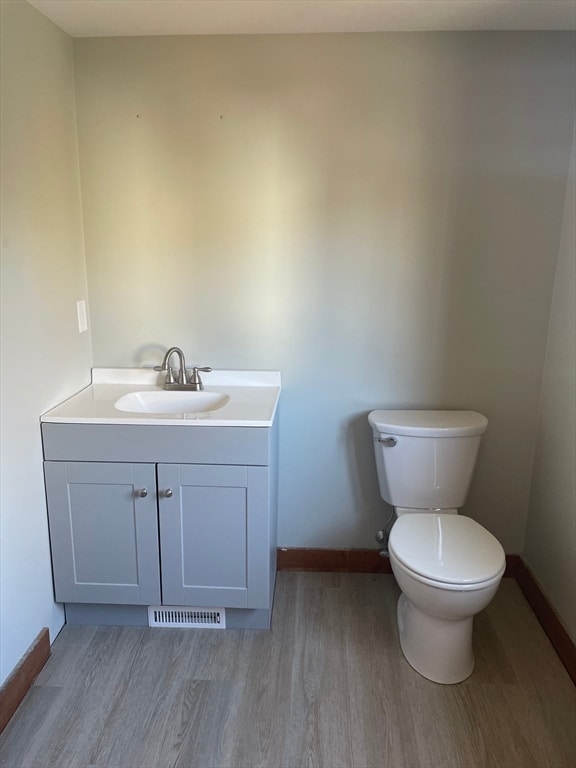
{"points": [[180, 378]]}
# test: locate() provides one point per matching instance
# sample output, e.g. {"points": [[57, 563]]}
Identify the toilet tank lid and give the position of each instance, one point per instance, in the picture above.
{"points": [[428, 423], [453, 549]]}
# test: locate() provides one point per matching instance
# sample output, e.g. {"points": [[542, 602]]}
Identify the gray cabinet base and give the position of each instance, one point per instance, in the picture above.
{"points": [[137, 616]]}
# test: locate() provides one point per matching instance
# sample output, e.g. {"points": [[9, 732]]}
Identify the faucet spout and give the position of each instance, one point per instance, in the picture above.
{"points": [[180, 377]]}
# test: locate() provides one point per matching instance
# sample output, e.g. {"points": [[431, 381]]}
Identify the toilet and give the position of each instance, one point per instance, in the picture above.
{"points": [[448, 567]]}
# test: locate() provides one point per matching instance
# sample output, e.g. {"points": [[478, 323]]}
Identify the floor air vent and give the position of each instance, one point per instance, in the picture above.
{"points": [[183, 616]]}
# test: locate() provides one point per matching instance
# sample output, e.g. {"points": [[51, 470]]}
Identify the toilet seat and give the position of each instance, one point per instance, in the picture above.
{"points": [[447, 551]]}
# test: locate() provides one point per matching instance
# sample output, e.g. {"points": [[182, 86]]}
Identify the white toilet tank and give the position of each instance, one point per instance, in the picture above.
{"points": [[425, 459]]}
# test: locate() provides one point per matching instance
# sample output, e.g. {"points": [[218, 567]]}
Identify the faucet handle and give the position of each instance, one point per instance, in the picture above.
{"points": [[169, 371], [193, 376]]}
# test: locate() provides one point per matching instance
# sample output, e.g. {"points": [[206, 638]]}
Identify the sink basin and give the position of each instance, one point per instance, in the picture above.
{"points": [[160, 401]]}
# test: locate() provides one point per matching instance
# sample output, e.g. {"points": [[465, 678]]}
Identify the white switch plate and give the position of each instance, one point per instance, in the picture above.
{"points": [[82, 316]]}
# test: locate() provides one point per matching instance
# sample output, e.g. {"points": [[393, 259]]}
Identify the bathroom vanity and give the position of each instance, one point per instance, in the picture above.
{"points": [[163, 509]]}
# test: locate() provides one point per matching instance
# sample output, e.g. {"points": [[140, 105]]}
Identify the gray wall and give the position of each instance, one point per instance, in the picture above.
{"points": [[377, 216], [44, 358], [550, 548]]}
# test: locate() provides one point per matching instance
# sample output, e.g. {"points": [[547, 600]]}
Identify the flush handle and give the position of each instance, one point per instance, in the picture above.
{"points": [[388, 442]]}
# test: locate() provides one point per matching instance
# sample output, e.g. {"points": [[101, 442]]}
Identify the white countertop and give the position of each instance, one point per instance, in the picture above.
{"points": [[253, 399]]}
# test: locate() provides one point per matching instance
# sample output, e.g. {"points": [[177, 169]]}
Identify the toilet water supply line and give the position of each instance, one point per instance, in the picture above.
{"points": [[383, 535]]}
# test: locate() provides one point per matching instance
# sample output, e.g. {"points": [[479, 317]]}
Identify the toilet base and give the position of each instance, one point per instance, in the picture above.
{"points": [[439, 649]]}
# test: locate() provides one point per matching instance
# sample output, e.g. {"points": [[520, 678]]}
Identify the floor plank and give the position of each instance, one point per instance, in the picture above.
{"points": [[327, 687]]}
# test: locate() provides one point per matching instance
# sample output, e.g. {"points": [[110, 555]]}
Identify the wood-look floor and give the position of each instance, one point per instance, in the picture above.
{"points": [[327, 686]]}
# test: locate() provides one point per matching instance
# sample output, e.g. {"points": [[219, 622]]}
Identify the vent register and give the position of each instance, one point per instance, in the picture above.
{"points": [[184, 616]]}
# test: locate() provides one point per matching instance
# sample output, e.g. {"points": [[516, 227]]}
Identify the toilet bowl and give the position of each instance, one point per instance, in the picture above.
{"points": [[448, 568]]}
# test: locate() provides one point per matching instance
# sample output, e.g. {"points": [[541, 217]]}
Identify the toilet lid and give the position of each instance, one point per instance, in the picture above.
{"points": [[448, 548], [428, 423]]}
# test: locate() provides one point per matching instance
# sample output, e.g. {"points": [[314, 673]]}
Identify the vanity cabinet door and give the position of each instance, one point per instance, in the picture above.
{"points": [[104, 532], [214, 535]]}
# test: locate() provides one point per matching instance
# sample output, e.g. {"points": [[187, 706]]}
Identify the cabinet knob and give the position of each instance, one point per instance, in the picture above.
{"points": [[168, 493], [142, 493]]}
